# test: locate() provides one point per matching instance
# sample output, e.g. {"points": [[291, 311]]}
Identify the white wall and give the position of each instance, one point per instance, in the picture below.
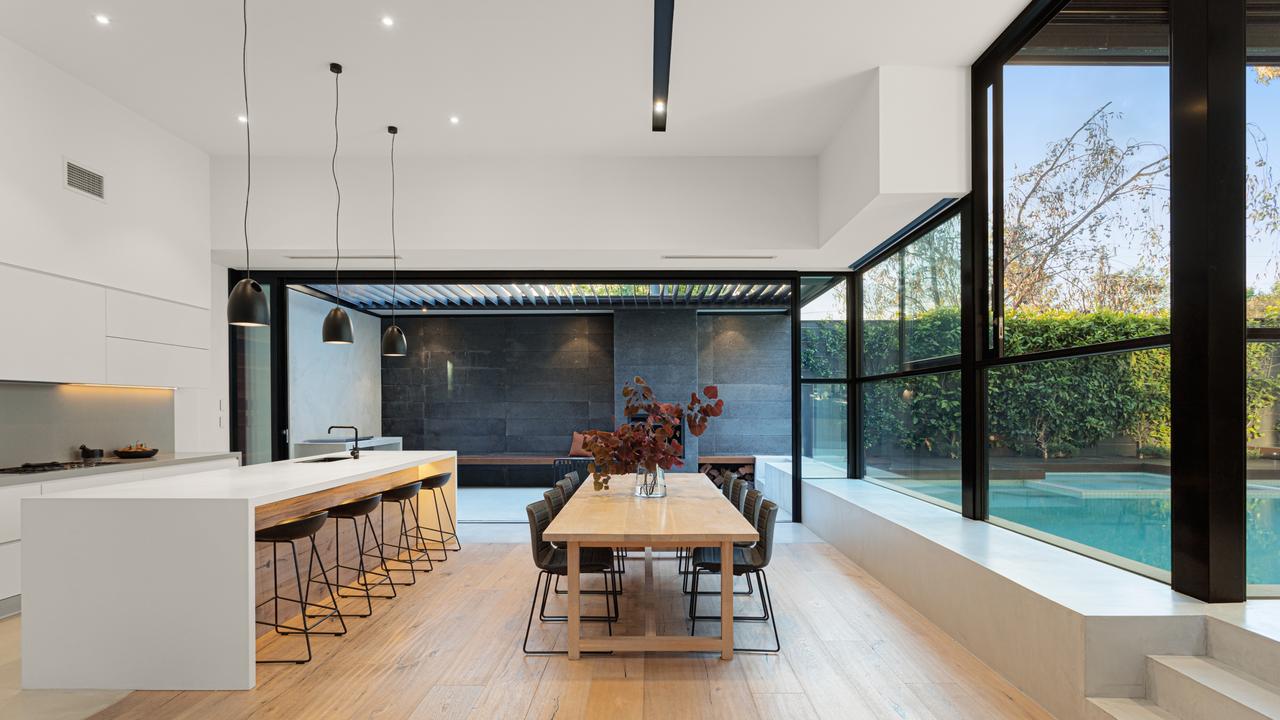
{"points": [[904, 147], [150, 238], [156, 214], [522, 212], [332, 384]]}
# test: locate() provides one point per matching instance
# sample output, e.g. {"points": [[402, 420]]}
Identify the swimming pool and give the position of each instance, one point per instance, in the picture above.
{"points": [[1123, 514]]}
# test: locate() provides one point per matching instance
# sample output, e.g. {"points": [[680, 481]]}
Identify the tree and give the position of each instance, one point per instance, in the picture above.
{"points": [[1067, 211]]}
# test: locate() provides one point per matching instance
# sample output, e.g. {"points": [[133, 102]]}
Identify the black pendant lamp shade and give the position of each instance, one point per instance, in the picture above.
{"points": [[337, 327], [247, 305], [393, 341]]}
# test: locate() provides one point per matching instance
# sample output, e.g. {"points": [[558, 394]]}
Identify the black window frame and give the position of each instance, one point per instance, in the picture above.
{"points": [[894, 251]]}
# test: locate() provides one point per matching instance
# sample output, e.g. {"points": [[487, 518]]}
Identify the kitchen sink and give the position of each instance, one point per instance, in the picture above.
{"points": [[325, 459]]}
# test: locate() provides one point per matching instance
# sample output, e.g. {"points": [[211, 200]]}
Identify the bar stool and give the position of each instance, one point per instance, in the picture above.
{"points": [[354, 511], [403, 498], [287, 533], [436, 484]]}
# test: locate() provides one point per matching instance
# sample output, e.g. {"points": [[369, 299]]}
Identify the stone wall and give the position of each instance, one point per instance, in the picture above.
{"points": [[492, 385], [748, 357], [660, 346], [522, 384]]}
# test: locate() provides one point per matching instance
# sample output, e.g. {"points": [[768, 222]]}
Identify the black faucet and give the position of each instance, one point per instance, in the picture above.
{"points": [[355, 450]]}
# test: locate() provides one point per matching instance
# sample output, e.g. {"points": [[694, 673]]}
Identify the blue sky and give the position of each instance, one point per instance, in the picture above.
{"points": [[1045, 104]]}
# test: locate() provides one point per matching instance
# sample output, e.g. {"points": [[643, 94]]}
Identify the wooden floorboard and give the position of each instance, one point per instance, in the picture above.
{"points": [[450, 648]]}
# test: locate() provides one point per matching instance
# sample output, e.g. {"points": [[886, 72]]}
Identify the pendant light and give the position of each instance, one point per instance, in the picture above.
{"points": [[337, 326], [393, 340], [247, 304]]}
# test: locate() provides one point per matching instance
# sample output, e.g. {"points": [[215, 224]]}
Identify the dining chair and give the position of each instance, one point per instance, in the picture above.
{"points": [[555, 501], [561, 467], [732, 490], [737, 493], [746, 561], [566, 488], [554, 561], [753, 501]]}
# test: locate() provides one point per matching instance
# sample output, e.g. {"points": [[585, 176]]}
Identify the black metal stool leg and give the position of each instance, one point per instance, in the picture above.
{"points": [[417, 535], [376, 552], [401, 545]]}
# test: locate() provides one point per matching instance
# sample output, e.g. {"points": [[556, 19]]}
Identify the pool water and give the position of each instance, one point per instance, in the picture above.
{"points": [[1124, 514]]}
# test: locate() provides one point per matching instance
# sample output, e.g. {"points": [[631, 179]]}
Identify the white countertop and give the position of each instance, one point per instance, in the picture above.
{"points": [[116, 465], [260, 484]]}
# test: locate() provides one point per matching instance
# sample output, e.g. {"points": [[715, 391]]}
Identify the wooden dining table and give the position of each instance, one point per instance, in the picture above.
{"points": [[694, 513]]}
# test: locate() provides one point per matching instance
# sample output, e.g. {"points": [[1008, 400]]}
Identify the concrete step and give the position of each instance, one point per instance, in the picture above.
{"points": [[1243, 649], [1194, 687], [1128, 709]]}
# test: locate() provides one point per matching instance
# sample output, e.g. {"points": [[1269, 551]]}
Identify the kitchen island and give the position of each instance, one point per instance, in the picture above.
{"points": [[152, 584]]}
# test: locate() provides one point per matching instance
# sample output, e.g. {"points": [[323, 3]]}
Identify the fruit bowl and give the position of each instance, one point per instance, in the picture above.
{"points": [[136, 453]]}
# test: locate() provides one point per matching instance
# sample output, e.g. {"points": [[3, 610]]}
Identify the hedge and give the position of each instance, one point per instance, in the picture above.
{"points": [[1049, 409]]}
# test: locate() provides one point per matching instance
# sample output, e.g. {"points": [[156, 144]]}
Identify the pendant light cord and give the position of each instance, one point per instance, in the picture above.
{"points": [[337, 213], [248, 143], [394, 253]]}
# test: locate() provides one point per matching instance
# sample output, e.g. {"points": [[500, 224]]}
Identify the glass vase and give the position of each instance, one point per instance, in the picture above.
{"points": [[650, 484]]}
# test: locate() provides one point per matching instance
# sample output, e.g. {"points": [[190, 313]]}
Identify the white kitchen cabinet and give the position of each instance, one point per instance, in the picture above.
{"points": [[10, 569], [55, 329], [136, 362], [11, 500], [10, 507], [137, 317]]}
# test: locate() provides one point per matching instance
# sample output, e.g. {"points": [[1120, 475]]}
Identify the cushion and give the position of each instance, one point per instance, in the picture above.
{"points": [[576, 448]]}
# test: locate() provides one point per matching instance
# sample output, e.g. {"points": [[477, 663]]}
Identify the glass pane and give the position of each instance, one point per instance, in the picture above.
{"points": [[911, 434], [881, 309], [1086, 183], [1262, 504], [252, 351], [931, 284], [824, 428], [824, 339], [1262, 118], [1078, 455]]}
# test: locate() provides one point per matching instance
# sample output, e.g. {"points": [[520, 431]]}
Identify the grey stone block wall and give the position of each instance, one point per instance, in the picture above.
{"points": [[522, 384], [748, 357], [660, 346], [488, 385]]}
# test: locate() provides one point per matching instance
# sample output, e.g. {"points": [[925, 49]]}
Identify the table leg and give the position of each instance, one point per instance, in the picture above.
{"points": [[575, 605], [726, 600]]}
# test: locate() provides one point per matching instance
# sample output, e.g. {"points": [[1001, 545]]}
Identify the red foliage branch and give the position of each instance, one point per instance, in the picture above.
{"points": [[650, 444]]}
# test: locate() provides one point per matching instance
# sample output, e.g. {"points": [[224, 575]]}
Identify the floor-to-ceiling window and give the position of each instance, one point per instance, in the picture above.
{"points": [[824, 373], [1077, 401], [908, 379], [1262, 215]]}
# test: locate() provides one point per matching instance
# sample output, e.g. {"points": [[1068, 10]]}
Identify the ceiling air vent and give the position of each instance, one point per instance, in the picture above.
{"points": [[86, 181]]}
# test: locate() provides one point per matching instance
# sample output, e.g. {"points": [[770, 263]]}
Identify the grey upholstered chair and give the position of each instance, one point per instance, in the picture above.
{"points": [[746, 561], [554, 561]]}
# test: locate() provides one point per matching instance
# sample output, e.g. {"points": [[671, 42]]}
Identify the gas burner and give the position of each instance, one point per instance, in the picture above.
{"points": [[53, 466]]}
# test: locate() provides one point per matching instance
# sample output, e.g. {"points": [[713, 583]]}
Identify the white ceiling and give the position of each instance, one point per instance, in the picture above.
{"points": [[526, 77]]}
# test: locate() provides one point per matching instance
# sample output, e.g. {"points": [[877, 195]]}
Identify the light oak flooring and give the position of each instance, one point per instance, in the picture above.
{"points": [[450, 648]]}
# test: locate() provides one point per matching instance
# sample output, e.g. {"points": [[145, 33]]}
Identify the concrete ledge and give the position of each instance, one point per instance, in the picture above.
{"points": [[1059, 626]]}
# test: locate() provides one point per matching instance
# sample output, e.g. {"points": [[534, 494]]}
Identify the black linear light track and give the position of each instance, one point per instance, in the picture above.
{"points": [[663, 15]]}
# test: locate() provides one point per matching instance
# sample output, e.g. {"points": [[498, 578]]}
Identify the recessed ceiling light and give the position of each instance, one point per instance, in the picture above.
{"points": [[659, 106], [102, 19], [454, 119], [388, 21], [242, 118]]}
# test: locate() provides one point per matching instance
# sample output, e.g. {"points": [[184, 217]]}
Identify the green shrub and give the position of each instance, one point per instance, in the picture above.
{"points": [[1051, 408]]}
